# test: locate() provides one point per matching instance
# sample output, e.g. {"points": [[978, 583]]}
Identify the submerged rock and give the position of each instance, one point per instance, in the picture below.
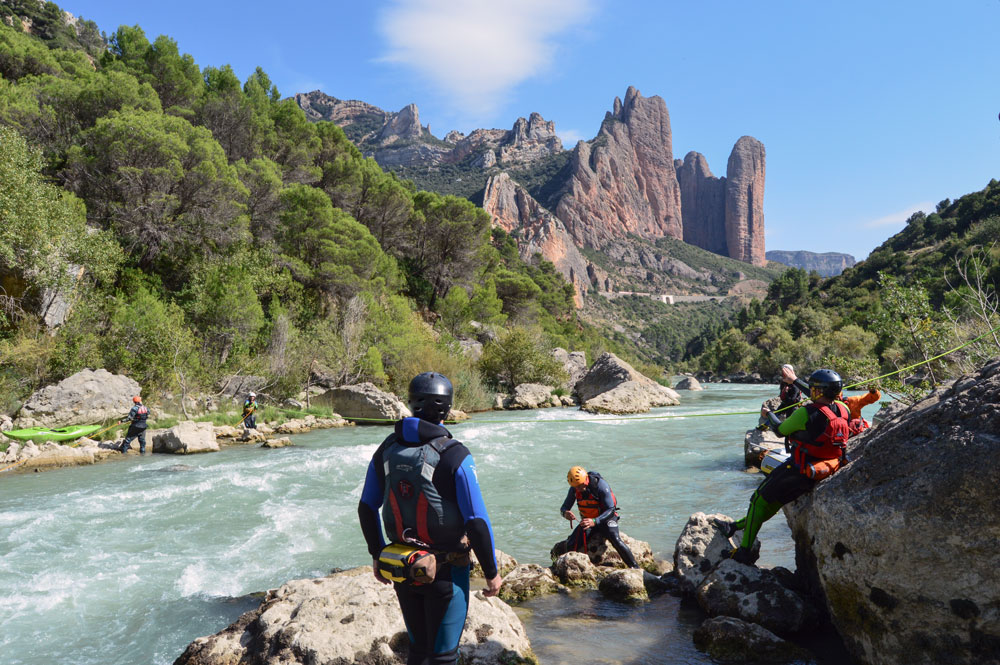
{"points": [[349, 617], [731, 640], [904, 542], [626, 585]]}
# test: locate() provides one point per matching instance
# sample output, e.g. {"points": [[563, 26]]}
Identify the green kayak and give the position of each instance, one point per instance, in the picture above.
{"points": [[42, 434]]}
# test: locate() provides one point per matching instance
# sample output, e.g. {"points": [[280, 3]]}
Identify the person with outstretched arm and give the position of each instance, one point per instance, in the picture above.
{"points": [[424, 484], [136, 419]]}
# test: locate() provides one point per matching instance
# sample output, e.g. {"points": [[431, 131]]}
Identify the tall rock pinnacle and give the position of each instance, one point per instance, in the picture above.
{"points": [[624, 180], [703, 204], [745, 201]]}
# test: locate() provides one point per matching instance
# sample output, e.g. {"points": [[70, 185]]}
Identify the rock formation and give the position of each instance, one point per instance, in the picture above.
{"points": [[745, 201], [703, 204], [904, 542], [88, 396], [613, 386], [364, 403], [349, 617], [827, 264], [538, 230], [624, 181], [185, 438]]}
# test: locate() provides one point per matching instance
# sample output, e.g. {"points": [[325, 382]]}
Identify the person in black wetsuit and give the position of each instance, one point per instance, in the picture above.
{"points": [[598, 512], [137, 426], [442, 510], [793, 391]]}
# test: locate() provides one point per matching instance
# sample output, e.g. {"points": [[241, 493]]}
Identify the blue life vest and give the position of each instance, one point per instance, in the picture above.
{"points": [[413, 509]]}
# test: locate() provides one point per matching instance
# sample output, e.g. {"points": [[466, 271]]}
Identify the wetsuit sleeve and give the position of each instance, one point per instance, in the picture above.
{"points": [[368, 510], [568, 503], [477, 520], [795, 422], [607, 502]]}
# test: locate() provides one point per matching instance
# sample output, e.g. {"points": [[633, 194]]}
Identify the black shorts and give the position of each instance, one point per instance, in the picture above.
{"points": [[785, 484]]}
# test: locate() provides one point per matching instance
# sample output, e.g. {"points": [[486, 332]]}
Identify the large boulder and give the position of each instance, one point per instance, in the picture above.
{"points": [[904, 542], [350, 617], [633, 392], [530, 396], [688, 383], [758, 596], [574, 363], [527, 581], [185, 438], [730, 640], [700, 548], [89, 396], [601, 552], [31, 456], [364, 403]]}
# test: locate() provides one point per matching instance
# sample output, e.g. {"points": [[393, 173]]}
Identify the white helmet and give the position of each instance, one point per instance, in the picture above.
{"points": [[252, 394]]}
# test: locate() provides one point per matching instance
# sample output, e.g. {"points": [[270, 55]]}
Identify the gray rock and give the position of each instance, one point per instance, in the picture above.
{"points": [[500, 401], [365, 401], [633, 392], [32, 456], [350, 617], [601, 553], [527, 581], [688, 383], [574, 363], [758, 596], [6, 423], [531, 396], [184, 438], [757, 443], [88, 396], [576, 569], [505, 563], [471, 348], [700, 548], [281, 442], [625, 585], [903, 541], [730, 640]]}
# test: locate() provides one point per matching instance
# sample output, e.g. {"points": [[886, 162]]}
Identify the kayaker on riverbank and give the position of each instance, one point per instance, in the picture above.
{"points": [[817, 433], [598, 512], [424, 483], [137, 428]]}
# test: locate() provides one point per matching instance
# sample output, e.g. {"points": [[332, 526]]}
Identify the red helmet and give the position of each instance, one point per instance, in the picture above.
{"points": [[136, 399]]}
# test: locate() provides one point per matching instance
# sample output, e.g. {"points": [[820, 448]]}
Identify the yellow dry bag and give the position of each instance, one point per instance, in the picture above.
{"points": [[407, 564]]}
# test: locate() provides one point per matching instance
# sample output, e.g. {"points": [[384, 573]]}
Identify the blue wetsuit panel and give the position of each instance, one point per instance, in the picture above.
{"points": [[450, 632]]}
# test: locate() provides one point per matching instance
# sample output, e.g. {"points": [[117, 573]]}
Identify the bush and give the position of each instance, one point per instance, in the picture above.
{"points": [[519, 356]]}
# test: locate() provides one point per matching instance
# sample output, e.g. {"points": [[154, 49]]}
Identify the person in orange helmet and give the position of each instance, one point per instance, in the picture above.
{"points": [[598, 510], [137, 425]]}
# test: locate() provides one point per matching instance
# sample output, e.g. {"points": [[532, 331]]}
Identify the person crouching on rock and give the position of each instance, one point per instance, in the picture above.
{"points": [[424, 482], [817, 434], [250, 411], [137, 427], [598, 510]]}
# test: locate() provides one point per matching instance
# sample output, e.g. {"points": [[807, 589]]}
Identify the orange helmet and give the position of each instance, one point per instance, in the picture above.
{"points": [[577, 476], [136, 399]]}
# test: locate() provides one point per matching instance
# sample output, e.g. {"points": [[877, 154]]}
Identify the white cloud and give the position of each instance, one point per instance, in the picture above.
{"points": [[569, 137], [897, 218], [475, 51]]}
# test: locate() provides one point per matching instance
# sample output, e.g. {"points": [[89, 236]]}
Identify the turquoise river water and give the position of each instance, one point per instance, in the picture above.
{"points": [[128, 562]]}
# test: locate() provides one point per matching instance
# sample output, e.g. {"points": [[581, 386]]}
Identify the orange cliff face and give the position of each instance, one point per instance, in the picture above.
{"points": [[539, 231], [624, 180]]}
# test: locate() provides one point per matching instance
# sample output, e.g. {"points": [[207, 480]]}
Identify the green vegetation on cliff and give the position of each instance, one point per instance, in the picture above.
{"points": [[196, 226]]}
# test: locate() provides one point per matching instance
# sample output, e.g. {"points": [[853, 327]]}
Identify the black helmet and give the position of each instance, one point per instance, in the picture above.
{"points": [[430, 396], [827, 382]]}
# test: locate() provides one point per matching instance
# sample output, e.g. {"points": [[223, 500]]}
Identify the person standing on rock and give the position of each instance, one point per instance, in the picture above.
{"points": [[250, 411], [598, 512], [137, 428], [424, 483], [817, 434]]}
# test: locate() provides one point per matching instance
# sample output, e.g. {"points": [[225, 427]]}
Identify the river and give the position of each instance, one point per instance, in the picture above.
{"points": [[128, 562]]}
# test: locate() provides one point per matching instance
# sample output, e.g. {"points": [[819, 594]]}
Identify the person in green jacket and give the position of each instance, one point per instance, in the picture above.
{"points": [[816, 435], [250, 411]]}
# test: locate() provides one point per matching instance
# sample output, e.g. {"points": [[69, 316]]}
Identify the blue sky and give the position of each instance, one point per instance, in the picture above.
{"points": [[868, 110]]}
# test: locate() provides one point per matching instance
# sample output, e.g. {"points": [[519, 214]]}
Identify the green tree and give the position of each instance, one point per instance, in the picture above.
{"points": [[162, 185], [519, 356], [907, 317]]}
